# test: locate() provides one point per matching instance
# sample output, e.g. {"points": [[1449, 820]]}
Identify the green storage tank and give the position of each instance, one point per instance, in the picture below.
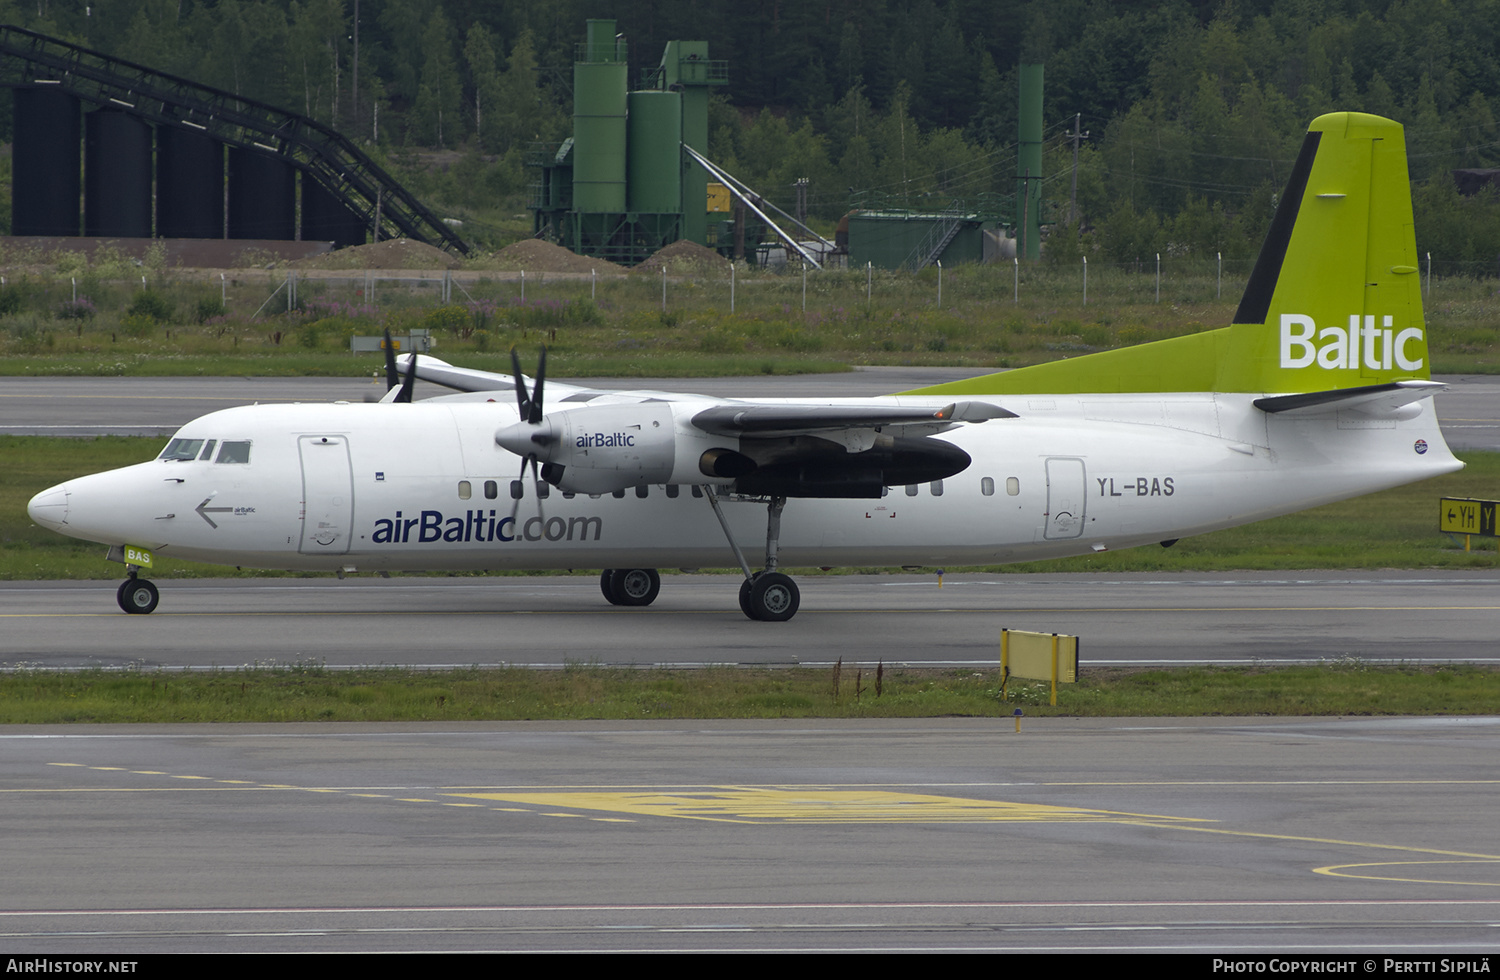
{"points": [[655, 160], [599, 113], [891, 239]]}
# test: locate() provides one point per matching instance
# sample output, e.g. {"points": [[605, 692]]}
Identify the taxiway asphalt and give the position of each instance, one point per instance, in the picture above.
{"points": [[554, 620], [1363, 836], [1289, 837]]}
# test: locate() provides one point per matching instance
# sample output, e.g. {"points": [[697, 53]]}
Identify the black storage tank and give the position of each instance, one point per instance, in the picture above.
{"points": [[117, 175], [325, 218], [189, 184], [45, 169], [262, 196]]}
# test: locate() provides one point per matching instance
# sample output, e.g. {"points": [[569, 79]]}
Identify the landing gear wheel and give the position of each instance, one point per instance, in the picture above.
{"points": [[606, 585], [635, 586], [137, 595], [774, 598], [745, 586]]}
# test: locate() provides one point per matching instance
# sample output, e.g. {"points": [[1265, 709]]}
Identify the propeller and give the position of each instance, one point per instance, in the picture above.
{"points": [[523, 441], [530, 406], [393, 377]]}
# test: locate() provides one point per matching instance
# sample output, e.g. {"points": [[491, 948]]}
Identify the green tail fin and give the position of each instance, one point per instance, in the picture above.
{"points": [[1334, 300]]}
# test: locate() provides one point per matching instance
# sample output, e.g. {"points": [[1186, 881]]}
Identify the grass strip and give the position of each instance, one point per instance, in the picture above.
{"points": [[308, 692], [622, 325]]}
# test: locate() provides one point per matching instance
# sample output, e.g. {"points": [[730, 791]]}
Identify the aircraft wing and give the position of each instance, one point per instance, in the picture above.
{"points": [[751, 419]]}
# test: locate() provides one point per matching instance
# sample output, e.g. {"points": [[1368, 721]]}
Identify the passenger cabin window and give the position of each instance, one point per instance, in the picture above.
{"points": [[642, 491], [234, 452], [465, 491], [697, 490], [491, 489], [208, 450], [1012, 486], [181, 449], [937, 488], [569, 495], [543, 489], [672, 490], [517, 490], [987, 486], [911, 489], [619, 494]]}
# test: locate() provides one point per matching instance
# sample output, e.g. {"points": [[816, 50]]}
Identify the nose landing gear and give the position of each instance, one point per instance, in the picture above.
{"points": [[137, 595]]}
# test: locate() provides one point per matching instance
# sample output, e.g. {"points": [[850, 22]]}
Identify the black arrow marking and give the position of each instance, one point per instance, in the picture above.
{"points": [[204, 510]]}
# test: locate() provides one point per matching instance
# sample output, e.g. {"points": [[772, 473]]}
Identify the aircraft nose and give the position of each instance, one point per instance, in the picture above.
{"points": [[50, 508]]}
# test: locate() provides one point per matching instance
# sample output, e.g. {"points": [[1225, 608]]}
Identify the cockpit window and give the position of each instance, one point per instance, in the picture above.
{"points": [[208, 450], [181, 449], [234, 452]]}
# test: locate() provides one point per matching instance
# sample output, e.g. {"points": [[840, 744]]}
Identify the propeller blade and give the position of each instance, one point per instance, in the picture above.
{"points": [[535, 417], [523, 404], [515, 507], [409, 384], [392, 379]]}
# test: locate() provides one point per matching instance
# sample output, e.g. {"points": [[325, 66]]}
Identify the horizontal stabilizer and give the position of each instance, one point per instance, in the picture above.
{"points": [[1372, 400]]}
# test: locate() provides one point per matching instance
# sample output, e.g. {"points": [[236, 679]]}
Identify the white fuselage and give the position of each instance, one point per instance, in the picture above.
{"points": [[424, 486]]}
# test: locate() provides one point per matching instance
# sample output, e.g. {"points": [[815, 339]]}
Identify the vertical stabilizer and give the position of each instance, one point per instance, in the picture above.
{"points": [[1334, 300]]}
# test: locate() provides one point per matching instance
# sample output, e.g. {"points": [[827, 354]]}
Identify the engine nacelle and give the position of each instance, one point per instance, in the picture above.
{"points": [[599, 449]]}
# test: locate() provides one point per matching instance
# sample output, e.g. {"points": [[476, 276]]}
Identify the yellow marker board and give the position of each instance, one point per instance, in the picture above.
{"points": [[1464, 515], [1039, 656], [718, 197]]}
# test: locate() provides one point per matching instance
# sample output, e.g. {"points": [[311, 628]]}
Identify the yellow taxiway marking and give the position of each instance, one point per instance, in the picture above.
{"points": [[1347, 871], [766, 805], [791, 804]]}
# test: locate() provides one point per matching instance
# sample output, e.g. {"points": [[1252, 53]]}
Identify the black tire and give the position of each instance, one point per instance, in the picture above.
{"points": [[635, 586], [774, 598], [745, 608], [138, 596], [607, 586]]}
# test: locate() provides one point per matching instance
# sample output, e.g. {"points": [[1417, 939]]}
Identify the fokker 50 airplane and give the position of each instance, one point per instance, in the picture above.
{"points": [[1318, 391]]}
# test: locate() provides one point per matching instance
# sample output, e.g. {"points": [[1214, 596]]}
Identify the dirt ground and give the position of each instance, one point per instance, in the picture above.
{"points": [[685, 258], [395, 253], [534, 255]]}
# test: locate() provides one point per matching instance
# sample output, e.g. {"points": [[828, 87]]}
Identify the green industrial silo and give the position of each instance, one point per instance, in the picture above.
{"points": [[599, 114], [1028, 218], [654, 170]]}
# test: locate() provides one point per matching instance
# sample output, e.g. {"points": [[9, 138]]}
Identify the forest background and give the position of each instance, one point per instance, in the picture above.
{"points": [[1193, 110]]}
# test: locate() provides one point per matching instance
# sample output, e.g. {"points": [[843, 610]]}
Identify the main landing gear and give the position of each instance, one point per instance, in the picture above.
{"points": [[136, 595], [630, 586], [767, 596]]}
